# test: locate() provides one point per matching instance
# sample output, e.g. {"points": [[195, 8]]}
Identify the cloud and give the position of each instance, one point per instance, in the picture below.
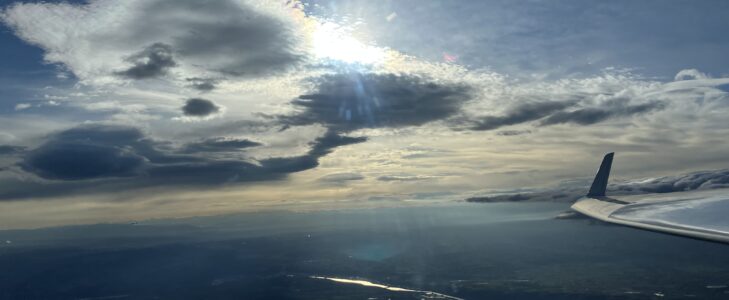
{"points": [[592, 115], [330, 140], [87, 152], [220, 144], [404, 177], [686, 182], [513, 132], [320, 147], [95, 40], [347, 102], [340, 178], [602, 99], [247, 44], [202, 84], [524, 112], [22, 106], [154, 61], [197, 107], [95, 156], [391, 17], [9, 150], [570, 192], [690, 74], [73, 161], [516, 197]]}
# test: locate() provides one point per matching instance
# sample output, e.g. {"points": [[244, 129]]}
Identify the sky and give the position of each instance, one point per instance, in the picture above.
{"points": [[112, 111]]}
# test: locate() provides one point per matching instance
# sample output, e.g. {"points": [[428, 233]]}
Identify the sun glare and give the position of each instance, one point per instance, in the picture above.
{"points": [[332, 41]]}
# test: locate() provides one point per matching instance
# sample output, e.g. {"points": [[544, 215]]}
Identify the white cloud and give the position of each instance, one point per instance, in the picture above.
{"points": [[22, 106], [690, 74], [391, 17]]}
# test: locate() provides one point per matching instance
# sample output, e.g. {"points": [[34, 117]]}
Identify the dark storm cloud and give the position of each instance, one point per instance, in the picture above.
{"points": [[110, 158], [220, 144], [592, 115], [197, 107], [346, 102], [153, 61], [9, 149], [225, 36], [202, 84], [702, 180], [525, 112]]}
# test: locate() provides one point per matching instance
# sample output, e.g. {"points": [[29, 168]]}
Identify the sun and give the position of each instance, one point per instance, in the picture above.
{"points": [[334, 42]]}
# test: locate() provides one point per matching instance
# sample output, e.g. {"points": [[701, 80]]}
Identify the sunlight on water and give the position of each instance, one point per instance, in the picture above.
{"points": [[425, 294]]}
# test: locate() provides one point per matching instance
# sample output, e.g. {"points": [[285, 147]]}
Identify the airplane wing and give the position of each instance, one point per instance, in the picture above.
{"points": [[695, 214]]}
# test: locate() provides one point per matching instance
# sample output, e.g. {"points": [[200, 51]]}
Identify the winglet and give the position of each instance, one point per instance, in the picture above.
{"points": [[601, 179]]}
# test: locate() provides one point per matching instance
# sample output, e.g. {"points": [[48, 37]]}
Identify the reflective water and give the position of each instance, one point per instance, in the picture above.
{"points": [[428, 294]]}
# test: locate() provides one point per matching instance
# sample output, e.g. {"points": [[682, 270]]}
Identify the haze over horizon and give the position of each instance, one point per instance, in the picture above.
{"points": [[113, 111]]}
